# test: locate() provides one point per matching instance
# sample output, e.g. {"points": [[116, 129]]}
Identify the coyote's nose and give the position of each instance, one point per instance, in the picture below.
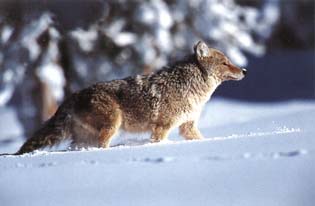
{"points": [[244, 71]]}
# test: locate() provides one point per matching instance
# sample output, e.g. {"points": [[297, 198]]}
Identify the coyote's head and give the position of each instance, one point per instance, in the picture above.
{"points": [[217, 64]]}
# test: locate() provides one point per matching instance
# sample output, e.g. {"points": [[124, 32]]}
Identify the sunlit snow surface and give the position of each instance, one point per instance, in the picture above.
{"points": [[253, 154]]}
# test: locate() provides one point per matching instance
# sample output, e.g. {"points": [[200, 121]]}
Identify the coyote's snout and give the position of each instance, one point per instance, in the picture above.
{"points": [[158, 102]]}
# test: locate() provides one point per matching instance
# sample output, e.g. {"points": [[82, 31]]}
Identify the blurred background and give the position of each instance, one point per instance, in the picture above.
{"points": [[48, 49]]}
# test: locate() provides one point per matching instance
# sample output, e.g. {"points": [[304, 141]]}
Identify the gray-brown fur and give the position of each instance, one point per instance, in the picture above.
{"points": [[158, 102]]}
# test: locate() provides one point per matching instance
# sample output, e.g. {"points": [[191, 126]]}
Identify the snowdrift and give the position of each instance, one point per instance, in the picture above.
{"points": [[254, 154]]}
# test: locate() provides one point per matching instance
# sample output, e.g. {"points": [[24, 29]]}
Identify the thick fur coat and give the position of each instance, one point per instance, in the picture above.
{"points": [[158, 102]]}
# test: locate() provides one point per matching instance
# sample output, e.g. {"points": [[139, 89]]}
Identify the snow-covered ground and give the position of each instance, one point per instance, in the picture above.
{"points": [[253, 154]]}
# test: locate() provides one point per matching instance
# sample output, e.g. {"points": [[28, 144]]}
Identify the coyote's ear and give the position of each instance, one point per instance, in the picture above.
{"points": [[202, 50]]}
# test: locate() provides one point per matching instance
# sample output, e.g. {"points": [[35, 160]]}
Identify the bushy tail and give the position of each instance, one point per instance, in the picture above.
{"points": [[52, 133]]}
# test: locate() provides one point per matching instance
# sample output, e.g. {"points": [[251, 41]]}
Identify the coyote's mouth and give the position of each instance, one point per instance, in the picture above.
{"points": [[237, 75], [235, 78]]}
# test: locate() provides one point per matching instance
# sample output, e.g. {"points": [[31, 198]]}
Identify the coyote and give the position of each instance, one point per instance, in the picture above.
{"points": [[157, 102]]}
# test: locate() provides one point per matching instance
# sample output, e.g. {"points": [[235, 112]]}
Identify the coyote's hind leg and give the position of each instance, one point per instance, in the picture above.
{"points": [[96, 122], [110, 127]]}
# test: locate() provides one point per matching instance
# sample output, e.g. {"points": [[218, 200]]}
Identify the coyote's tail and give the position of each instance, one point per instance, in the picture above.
{"points": [[52, 132]]}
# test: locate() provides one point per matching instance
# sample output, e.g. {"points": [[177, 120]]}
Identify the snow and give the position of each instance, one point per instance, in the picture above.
{"points": [[235, 28], [52, 74], [31, 34], [5, 94], [85, 39], [6, 34], [253, 154], [125, 38]]}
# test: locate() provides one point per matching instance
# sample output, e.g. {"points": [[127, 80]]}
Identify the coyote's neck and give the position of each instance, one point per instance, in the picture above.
{"points": [[200, 90]]}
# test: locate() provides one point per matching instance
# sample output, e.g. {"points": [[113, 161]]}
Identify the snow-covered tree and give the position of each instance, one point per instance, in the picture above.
{"points": [[128, 37]]}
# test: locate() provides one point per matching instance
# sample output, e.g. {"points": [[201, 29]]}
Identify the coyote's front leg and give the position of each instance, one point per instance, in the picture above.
{"points": [[190, 131], [160, 133]]}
